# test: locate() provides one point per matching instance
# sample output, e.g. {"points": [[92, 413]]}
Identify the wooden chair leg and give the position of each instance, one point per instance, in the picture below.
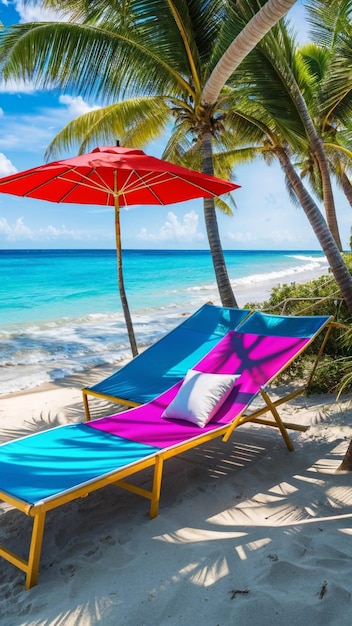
{"points": [[278, 420], [35, 549], [86, 405], [155, 499]]}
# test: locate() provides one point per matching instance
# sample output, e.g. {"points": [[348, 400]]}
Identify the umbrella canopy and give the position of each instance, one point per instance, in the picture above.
{"points": [[109, 173], [116, 176]]}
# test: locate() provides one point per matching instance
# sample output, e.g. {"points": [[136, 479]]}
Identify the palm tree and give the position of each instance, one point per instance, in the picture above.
{"points": [[272, 145], [281, 49], [330, 23], [330, 245], [162, 53], [258, 25], [281, 115]]}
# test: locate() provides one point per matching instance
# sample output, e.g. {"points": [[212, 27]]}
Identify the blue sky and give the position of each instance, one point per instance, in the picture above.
{"points": [[264, 219]]}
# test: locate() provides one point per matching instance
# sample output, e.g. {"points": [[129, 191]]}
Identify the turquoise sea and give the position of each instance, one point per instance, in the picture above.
{"points": [[60, 310]]}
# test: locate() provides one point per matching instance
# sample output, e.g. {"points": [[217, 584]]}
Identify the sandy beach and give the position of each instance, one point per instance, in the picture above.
{"points": [[247, 532]]}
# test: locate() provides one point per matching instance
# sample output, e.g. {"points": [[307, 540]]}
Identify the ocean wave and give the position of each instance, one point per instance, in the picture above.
{"points": [[44, 353], [310, 264], [318, 261], [278, 274]]}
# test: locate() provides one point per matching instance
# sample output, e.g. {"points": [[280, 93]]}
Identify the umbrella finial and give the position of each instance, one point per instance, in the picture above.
{"points": [[117, 142]]}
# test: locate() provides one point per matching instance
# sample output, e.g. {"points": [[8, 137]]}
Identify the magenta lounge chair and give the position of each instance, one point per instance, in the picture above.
{"points": [[43, 471]]}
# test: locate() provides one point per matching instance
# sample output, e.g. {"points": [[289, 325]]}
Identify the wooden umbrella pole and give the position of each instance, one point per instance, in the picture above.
{"points": [[120, 280]]}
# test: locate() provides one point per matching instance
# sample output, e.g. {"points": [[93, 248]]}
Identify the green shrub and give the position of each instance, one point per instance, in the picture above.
{"points": [[346, 380], [320, 296], [327, 376]]}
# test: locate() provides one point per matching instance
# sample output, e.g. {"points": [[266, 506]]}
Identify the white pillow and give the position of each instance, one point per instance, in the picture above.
{"points": [[200, 397]]}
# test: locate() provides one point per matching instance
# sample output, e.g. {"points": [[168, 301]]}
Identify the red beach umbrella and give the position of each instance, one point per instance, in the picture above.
{"points": [[116, 176]]}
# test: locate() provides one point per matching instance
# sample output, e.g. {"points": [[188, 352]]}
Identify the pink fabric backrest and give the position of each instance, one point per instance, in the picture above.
{"points": [[257, 358]]}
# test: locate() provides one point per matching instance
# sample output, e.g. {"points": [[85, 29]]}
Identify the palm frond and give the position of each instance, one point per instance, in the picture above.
{"points": [[134, 122], [224, 206], [97, 62], [328, 20]]}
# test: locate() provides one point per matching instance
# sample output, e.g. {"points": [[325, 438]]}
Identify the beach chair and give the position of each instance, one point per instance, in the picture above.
{"points": [[43, 471], [166, 362]]}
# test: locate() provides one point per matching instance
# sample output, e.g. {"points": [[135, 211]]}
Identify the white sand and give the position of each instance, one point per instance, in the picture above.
{"points": [[247, 534]]}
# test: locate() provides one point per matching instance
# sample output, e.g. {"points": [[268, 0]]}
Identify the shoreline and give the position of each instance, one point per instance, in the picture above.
{"points": [[265, 292]]}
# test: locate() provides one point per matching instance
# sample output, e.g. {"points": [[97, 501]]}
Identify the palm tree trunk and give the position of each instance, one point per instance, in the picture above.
{"points": [[346, 465], [121, 284], [347, 187], [324, 236], [318, 152], [227, 296], [245, 42], [329, 203]]}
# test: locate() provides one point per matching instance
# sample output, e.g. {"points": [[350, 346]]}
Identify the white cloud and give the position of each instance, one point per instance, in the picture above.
{"points": [[241, 237], [26, 135], [33, 133], [20, 231], [174, 230], [76, 106], [17, 86], [29, 12], [17, 231], [276, 236], [52, 232], [6, 167]]}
